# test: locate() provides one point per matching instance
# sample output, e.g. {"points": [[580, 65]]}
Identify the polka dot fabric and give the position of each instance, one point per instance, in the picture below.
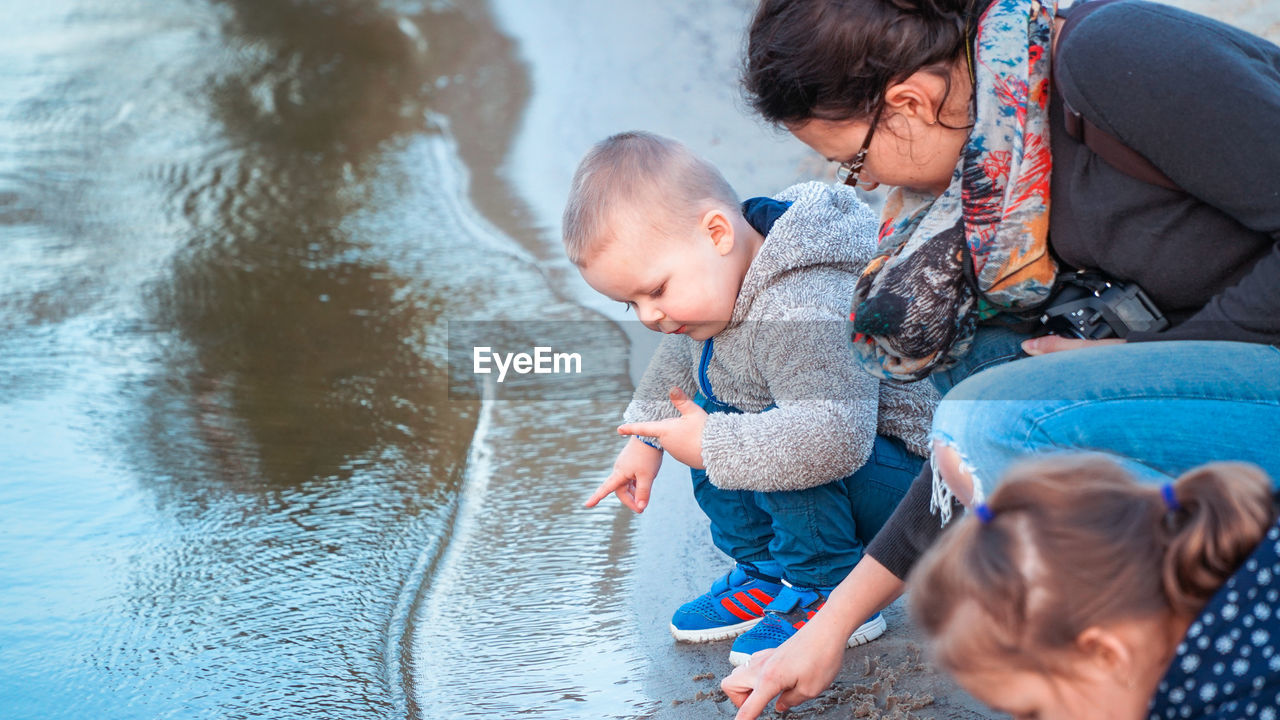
{"points": [[1227, 666]]}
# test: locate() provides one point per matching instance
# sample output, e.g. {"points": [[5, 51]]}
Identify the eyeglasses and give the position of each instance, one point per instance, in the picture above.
{"points": [[853, 168]]}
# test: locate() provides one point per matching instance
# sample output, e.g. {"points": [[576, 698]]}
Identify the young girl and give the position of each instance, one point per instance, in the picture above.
{"points": [[1076, 592]]}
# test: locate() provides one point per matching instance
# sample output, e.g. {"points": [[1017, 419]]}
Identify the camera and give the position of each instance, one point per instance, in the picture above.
{"points": [[1088, 305]]}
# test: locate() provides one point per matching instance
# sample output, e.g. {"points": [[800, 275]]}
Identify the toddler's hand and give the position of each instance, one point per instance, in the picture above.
{"points": [[632, 476], [682, 436]]}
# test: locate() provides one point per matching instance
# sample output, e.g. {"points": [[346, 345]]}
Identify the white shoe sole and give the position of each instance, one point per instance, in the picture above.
{"points": [[712, 634], [868, 631]]}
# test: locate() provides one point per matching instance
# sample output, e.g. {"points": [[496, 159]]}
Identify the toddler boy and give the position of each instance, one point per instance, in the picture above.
{"points": [[797, 455]]}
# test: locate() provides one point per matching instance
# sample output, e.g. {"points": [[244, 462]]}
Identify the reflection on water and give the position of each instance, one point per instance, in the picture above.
{"points": [[236, 483]]}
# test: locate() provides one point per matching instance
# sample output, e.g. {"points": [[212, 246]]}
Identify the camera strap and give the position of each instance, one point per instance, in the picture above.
{"points": [[1104, 144]]}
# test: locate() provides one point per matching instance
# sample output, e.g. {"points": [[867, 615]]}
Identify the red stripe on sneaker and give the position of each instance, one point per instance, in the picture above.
{"points": [[737, 611], [748, 603], [761, 595]]}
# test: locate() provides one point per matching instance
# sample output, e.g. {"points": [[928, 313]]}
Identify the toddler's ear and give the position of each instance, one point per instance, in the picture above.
{"points": [[1107, 653], [720, 229]]}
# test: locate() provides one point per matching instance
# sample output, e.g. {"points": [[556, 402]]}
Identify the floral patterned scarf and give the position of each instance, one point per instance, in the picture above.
{"points": [[981, 247]]}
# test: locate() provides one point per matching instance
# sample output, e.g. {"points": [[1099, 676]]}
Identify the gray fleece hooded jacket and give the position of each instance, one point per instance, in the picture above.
{"points": [[787, 346]]}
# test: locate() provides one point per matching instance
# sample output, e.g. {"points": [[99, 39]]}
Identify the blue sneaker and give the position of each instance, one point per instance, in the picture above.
{"points": [[789, 611], [731, 607]]}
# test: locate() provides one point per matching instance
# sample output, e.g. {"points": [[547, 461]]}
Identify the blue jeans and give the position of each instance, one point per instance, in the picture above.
{"points": [[992, 345], [813, 537], [1159, 408]]}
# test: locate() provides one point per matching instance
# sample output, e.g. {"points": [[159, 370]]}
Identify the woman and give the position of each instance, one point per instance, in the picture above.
{"points": [[951, 103]]}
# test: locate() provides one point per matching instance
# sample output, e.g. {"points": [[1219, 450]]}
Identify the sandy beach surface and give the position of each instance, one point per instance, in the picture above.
{"points": [[671, 66]]}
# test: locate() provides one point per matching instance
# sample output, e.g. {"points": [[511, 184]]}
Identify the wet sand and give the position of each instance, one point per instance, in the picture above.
{"points": [[671, 67]]}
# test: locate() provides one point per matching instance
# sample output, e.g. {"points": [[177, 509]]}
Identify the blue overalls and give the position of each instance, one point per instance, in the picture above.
{"points": [[811, 538]]}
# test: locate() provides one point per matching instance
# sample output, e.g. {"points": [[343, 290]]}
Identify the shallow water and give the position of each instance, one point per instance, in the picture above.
{"points": [[249, 471], [235, 236]]}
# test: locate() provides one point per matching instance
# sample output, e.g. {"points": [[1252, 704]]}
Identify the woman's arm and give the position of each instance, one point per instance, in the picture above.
{"points": [[804, 666], [1201, 101], [911, 529]]}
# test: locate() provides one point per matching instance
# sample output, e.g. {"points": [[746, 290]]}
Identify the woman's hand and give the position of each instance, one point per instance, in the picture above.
{"points": [[798, 670], [803, 667], [1053, 343]]}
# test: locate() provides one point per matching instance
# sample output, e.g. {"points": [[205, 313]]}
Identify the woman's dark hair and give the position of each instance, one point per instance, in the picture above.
{"points": [[833, 59], [1074, 542]]}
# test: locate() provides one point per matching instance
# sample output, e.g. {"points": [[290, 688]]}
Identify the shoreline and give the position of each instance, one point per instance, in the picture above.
{"points": [[596, 70], [577, 54]]}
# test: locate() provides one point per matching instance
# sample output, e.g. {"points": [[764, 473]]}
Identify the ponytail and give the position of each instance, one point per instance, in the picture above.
{"points": [[1073, 542], [1226, 508], [833, 59]]}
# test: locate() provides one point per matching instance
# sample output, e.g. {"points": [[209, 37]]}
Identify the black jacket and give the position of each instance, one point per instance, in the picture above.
{"points": [[1201, 101]]}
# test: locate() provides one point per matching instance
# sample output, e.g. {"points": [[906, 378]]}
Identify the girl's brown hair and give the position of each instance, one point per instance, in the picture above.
{"points": [[1075, 542], [833, 59]]}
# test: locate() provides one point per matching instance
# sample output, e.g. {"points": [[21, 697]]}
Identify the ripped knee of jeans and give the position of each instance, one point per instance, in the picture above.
{"points": [[954, 477]]}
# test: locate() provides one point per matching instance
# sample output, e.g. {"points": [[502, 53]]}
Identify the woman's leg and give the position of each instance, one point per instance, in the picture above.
{"points": [[1166, 407], [992, 345]]}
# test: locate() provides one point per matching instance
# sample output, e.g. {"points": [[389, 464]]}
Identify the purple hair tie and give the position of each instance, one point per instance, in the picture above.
{"points": [[1170, 499], [984, 513]]}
